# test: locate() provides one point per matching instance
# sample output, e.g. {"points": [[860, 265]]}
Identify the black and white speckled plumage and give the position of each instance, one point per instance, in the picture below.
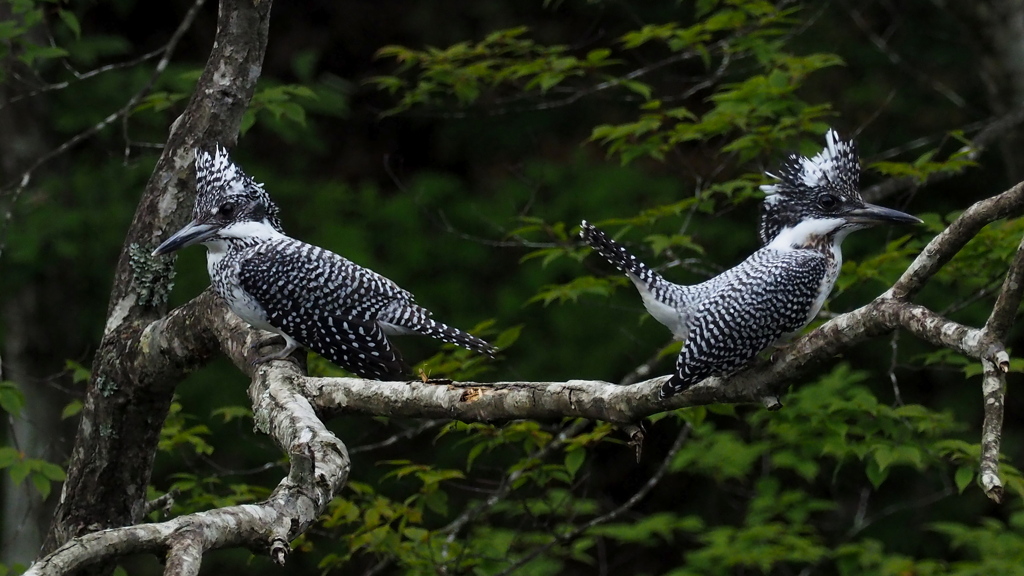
{"points": [[726, 321], [309, 295]]}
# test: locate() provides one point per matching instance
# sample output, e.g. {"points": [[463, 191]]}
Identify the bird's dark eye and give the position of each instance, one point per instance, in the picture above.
{"points": [[827, 201], [226, 210]]}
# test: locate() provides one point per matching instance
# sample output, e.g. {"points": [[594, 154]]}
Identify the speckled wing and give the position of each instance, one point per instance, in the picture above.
{"points": [[765, 297], [327, 303]]}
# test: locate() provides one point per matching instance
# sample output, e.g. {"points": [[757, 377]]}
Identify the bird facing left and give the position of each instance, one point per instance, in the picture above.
{"points": [[310, 296]]}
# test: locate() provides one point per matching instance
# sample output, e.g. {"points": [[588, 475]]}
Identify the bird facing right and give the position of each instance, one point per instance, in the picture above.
{"points": [[726, 321]]}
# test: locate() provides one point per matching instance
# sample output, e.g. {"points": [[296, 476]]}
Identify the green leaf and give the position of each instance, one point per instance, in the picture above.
{"points": [[8, 456], [19, 471], [248, 120], [230, 413], [10, 29], [51, 471], [640, 88], [876, 475], [437, 501], [11, 398], [71, 409], [42, 485], [33, 52], [963, 477], [883, 456], [79, 373], [71, 21], [574, 460], [598, 55]]}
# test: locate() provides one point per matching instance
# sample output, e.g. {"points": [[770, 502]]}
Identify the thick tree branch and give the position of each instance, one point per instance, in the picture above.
{"points": [[943, 332], [472, 401], [1004, 312], [319, 468]]}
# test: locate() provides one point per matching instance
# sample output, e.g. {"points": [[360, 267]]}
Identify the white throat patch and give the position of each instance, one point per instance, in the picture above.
{"points": [[249, 230], [796, 237]]}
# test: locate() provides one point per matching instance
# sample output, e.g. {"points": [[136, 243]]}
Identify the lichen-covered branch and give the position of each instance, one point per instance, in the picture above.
{"points": [[472, 401], [319, 468], [1008, 301], [993, 386]]}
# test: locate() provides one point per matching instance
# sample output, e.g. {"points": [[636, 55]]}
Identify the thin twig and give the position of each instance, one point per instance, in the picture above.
{"points": [[896, 59], [163, 503], [79, 76], [503, 490], [640, 494], [403, 435], [863, 522], [161, 66], [894, 346], [992, 131], [643, 370]]}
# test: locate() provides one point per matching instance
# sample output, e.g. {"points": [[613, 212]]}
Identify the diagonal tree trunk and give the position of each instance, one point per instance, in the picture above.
{"points": [[127, 397]]}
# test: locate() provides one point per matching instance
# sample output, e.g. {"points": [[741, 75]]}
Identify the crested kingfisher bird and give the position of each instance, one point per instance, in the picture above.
{"points": [[310, 296], [726, 321]]}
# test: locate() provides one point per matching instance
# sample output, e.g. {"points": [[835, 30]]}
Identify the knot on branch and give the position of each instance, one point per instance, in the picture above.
{"points": [[303, 466]]}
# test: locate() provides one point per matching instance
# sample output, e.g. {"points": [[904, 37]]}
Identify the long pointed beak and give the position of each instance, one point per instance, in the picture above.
{"points": [[871, 215], [193, 233]]}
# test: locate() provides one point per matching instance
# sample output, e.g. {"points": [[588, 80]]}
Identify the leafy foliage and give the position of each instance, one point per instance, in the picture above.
{"points": [[465, 70], [17, 39], [657, 129], [41, 473]]}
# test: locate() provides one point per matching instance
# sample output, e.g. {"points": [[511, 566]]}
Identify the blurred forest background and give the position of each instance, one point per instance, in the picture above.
{"points": [[465, 188]]}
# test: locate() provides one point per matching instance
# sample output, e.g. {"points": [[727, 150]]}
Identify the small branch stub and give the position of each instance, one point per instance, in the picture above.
{"points": [[279, 550]]}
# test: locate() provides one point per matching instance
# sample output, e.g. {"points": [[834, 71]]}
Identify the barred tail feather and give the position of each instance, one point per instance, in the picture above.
{"points": [[446, 333], [411, 319], [616, 254]]}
